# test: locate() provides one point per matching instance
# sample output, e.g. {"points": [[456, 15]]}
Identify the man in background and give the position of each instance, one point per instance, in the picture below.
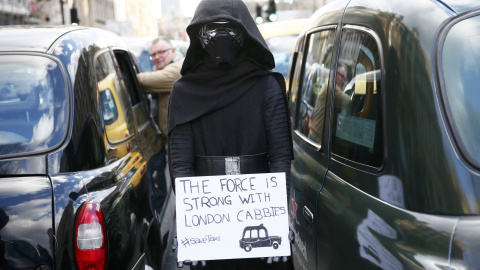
{"points": [[167, 64], [341, 100]]}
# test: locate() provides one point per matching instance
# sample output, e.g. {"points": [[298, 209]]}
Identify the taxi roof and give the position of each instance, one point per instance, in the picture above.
{"points": [[31, 38], [281, 28], [459, 6]]}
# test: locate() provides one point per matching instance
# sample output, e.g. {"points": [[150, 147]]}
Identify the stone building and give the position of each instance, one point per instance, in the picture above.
{"points": [[124, 17]]}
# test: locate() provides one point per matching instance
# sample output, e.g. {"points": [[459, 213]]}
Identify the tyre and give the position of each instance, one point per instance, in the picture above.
{"points": [[275, 245], [248, 248]]}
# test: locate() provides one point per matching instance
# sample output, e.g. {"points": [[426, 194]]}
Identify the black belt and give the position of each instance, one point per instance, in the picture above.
{"points": [[222, 165]]}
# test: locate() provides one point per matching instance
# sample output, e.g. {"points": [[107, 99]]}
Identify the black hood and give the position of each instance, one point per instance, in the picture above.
{"points": [[232, 10], [205, 87]]}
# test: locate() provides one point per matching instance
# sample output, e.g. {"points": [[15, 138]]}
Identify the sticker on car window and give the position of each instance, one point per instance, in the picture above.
{"points": [[355, 129]]}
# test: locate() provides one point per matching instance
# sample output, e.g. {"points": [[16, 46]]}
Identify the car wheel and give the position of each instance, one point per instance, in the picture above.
{"points": [[248, 248], [275, 245]]}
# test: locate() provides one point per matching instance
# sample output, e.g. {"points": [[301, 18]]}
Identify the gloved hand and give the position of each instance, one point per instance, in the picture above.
{"points": [[291, 236], [271, 260]]}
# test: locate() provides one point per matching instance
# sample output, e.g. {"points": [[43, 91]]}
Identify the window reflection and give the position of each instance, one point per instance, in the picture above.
{"points": [[32, 98], [315, 85], [461, 62], [110, 111], [114, 104], [356, 118]]}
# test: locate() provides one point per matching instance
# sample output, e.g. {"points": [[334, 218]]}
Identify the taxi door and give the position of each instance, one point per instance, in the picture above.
{"points": [[311, 82]]}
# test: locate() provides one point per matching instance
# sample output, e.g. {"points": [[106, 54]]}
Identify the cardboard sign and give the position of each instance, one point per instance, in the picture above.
{"points": [[232, 216]]}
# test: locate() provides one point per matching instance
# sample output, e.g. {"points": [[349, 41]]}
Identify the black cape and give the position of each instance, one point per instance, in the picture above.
{"points": [[204, 88]]}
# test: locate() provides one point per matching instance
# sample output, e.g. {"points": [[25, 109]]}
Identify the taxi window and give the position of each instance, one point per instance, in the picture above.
{"points": [[461, 74], [281, 46], [139, 108], [313, 93], [33, 105], [356, 119], [114, 104], [110, 110], [262, 233], [254, 234]]}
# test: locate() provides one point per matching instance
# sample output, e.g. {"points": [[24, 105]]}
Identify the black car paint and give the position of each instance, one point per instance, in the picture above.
{"points": [[440, 188], [41, 192]]}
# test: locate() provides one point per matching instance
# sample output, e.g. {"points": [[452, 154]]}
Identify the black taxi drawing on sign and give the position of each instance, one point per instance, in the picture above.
{"points": [[257, 236]]}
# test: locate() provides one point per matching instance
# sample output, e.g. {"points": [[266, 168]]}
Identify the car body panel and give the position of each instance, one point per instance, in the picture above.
{"points": [[403, 212], [12, 40], [466, 244], [26, 224], [307, 176], [375, 233], [24, 166], [119, 194]]}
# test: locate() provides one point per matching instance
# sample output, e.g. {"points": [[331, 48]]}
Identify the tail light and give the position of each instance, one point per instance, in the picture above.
{"points": [[90, 238]]}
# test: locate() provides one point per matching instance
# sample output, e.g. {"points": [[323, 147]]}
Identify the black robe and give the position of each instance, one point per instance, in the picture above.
{"points": [[237, 111]]}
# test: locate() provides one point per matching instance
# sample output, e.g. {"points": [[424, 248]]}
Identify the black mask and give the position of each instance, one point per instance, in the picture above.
{"points": [[222, 41]]}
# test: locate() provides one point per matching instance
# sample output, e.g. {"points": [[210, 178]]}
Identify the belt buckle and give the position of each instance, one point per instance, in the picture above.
{"points": [[232, 165]]}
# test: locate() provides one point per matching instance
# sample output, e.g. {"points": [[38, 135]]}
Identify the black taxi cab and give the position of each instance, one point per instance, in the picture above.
{"points": [[385, 99], [257, 236], [77, 143]]}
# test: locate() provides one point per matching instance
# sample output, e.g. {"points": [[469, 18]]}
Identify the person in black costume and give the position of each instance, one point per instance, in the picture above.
{"points": [[228, 113]]}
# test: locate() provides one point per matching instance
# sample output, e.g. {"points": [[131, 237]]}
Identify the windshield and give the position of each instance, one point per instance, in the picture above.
{"points": [[461, 61], [32, 104]]}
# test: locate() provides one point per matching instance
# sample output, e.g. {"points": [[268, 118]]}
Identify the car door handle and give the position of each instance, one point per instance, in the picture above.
{"points": [[308, 214]]}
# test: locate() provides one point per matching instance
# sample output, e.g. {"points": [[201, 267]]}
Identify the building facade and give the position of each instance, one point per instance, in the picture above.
{"points": [[124, 17], [19, 12]]}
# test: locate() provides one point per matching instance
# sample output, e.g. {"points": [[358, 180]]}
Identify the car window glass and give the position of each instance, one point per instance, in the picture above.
{"points": [[357, 103], [33, 105], [281, 47], [296, 74], [128, 75], [263, 233], [114, 103], [461, 74], [254, 234], [314, 87]]}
